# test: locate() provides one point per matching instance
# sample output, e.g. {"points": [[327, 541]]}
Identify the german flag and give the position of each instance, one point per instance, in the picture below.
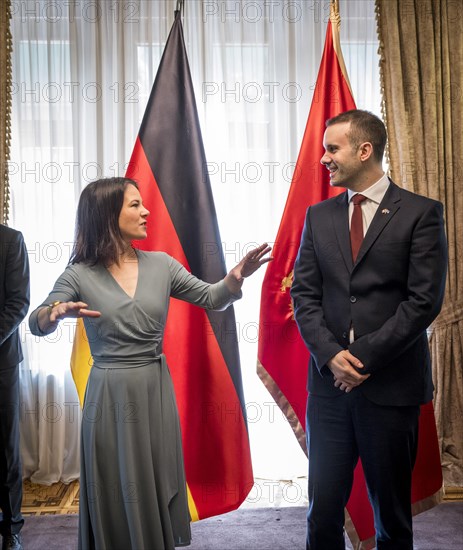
{"points": [[282, 355], [169, 164]]}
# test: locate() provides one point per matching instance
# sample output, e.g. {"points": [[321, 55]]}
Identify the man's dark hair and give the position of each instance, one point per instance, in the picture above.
{"points": [[98, 238], [364, 126]]}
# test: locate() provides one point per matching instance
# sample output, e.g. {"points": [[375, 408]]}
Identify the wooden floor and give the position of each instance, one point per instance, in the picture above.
{"points": [[54, 499], [64, 499]]}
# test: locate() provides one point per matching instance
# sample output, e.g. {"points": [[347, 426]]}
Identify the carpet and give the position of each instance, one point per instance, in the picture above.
{"points": [[258, 529]]}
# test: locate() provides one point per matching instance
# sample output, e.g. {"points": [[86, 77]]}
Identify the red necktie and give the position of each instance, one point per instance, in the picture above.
{"points": [[356, 225]]}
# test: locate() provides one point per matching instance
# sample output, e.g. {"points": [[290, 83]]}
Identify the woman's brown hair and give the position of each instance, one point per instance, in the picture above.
{"points": [[97, 235]]}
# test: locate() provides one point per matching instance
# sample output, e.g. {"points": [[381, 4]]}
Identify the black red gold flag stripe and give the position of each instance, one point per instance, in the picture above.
{"points": [[169, 164]]}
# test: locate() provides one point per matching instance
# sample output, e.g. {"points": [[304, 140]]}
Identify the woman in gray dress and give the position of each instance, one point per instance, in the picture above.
{"points": [[132, 482]]}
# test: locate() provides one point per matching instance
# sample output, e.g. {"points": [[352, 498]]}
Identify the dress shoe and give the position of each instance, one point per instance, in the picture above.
{"points": [[12, 542]]}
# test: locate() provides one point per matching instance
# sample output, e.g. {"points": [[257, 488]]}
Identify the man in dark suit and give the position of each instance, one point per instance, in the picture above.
{"points": [[14, 303], [362, 307]]}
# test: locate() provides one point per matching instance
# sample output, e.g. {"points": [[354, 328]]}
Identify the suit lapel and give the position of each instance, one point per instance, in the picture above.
{"points": [[386, 211], [341, 226]]}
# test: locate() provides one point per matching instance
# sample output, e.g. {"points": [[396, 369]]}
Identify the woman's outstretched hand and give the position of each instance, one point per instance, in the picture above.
{"points": [[72, 310], [253, 260], [247, 266], [47, 318]]}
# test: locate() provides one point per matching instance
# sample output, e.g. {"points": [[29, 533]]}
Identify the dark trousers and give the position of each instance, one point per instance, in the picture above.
{"points": [[11, 520], [339, 431]]}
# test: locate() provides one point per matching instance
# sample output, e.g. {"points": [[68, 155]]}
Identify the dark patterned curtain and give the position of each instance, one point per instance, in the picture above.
{"points": [[421, 47]]}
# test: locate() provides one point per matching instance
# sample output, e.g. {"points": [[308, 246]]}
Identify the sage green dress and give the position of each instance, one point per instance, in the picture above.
{"points": [[132, 482]]}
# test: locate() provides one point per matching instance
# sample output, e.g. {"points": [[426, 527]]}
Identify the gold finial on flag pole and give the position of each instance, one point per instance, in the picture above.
{"points": [[334, 13], [335, 19]]}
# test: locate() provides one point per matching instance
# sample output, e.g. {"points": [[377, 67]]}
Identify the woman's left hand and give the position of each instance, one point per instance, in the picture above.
{"points": [[252, 261], [247, 266]]}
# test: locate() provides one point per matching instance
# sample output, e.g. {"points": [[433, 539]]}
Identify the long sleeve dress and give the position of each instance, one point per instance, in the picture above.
{"points": [[132, 481]]}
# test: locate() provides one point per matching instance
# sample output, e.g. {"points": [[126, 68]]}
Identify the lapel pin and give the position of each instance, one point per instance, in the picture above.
{"points": [[385, 211]]}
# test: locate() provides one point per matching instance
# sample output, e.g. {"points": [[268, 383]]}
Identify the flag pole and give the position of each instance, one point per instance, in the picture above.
{"points": [[335, 19], [180, 6]]}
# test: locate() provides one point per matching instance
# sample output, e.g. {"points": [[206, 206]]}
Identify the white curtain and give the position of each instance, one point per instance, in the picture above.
{"points": [[82, 74]]}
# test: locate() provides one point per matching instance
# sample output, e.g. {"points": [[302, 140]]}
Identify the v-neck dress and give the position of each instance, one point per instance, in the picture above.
{"points": [[132, 482]]}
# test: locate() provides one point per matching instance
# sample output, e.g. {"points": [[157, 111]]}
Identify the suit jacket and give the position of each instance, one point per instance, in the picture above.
{"points": [[14, 294], [390, 295]]}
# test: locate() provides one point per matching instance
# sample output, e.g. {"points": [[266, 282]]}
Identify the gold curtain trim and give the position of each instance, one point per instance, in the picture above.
{"points": [[382, 86], [284, 405], [450, 314], [5, 107]]}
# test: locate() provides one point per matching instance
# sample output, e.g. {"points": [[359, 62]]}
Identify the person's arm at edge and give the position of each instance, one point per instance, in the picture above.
{"points": [[16, 287]]}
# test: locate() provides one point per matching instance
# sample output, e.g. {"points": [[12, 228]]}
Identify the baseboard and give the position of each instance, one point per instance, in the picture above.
{"points": [[453, 493]]}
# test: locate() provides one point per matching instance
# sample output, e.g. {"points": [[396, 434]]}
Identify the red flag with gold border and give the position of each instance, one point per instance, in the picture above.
{"points": [[282, 355]]}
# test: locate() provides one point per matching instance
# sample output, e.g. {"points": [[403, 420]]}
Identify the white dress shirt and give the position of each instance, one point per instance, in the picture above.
{"points": [[374, 194]]}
